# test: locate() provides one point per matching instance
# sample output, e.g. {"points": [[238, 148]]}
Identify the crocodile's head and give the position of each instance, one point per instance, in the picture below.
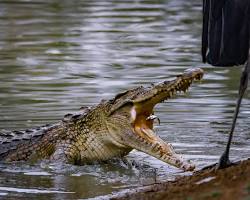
{"points": [[131, 118]]}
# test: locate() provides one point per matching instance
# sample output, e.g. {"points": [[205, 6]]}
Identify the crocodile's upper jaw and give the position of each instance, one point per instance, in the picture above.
{"points": [[143, 137]]}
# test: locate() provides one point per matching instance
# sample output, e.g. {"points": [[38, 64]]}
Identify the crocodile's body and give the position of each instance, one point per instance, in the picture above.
{"points": [[111, 129]]}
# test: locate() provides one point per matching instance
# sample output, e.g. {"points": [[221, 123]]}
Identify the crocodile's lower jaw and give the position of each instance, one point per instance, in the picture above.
{"points": [[148, 142]]}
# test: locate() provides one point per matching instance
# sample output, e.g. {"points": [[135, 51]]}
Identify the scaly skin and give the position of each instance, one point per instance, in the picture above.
{"points": [[111, 129]]}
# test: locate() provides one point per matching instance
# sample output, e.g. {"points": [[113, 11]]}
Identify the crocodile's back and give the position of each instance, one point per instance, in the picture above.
{"points": [[22, 143], [57, 142]]}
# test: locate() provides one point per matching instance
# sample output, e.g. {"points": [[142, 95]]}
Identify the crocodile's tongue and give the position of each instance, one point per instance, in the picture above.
{"points": [[147, 141]]}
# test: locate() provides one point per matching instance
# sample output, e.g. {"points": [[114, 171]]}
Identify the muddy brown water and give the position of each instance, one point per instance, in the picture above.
{"points": [[56, 56]]}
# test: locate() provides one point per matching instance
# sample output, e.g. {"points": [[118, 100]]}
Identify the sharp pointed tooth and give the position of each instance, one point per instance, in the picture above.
{"points": [[151, 117]]}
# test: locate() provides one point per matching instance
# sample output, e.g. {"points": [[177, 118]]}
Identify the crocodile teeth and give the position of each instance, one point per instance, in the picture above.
{"points": [[153, 117]]}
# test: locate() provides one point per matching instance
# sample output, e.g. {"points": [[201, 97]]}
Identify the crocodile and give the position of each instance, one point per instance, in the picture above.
{"points": [[108, 130]]}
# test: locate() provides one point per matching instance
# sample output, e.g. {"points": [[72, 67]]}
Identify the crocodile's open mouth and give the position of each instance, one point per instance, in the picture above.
{"points": [[142, 116], [142, 113]]}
